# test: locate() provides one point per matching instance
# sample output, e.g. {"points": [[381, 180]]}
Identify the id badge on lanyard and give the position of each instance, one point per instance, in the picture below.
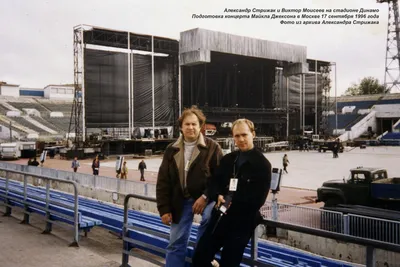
{"points": [[234, 181]]}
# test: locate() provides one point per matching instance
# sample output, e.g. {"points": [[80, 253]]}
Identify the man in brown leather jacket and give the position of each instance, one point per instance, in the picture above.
{"points": [[182, 185]]}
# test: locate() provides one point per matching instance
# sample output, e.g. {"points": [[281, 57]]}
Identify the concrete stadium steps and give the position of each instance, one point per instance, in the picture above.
{"points": [[61, 122], [29, 125], [3, 109], [58, 107], [21, 129], [112, 219], [47, 124], [30, 105]]}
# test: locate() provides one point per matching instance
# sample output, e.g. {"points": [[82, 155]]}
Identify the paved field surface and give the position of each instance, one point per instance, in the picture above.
{"points": [[25, 246]]}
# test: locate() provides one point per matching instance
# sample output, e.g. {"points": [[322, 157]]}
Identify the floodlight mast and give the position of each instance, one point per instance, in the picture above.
{"points": [[392, 68]]}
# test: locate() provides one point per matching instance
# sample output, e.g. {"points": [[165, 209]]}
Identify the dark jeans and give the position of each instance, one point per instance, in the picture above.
{"points": [[141, 174], [233, 243]]}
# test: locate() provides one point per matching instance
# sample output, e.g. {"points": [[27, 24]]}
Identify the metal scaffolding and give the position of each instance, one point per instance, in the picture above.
{"points": [[392, 62], [326, 88], [76, 124]]}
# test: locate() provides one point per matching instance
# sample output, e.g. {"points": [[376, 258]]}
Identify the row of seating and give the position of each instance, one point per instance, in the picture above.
{"points": [[36, 202], [358, 104], [343, 120], [391, 136], [29, 125], [61, 123], [111, 218]]}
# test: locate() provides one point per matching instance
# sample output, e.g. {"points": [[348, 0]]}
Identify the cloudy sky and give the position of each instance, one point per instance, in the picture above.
{"points": [[36, 40]]}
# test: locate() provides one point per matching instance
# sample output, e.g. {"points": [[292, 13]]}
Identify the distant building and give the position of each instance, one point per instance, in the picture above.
{"points": [[62, 92], [9, 89]]}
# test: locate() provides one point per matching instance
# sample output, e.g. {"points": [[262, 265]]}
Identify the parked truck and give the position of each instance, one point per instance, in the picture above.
{"points": [[364, 186]]}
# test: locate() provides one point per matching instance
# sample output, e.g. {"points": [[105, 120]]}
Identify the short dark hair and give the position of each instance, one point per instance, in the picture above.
{"points": [[193, 110]]}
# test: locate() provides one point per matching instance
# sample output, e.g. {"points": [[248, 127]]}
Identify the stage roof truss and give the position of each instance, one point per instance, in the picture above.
{"points": [[118, 39]]}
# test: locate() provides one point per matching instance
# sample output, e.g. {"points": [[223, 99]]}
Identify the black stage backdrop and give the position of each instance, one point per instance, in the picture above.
{"points": [[106, 90]]}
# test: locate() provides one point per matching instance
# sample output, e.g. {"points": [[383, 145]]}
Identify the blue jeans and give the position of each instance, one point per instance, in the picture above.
{"points": [[180, 233]]}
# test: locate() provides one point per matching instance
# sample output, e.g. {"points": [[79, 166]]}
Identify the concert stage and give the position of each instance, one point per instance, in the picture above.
{"points": [[271, 83], [128, 83]]}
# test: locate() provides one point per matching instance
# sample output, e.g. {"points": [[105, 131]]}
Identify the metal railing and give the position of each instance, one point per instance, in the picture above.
{"points": [[373, 228], [128, 243], [303, 216], [286, 213], [8, 197], [106, 183]]}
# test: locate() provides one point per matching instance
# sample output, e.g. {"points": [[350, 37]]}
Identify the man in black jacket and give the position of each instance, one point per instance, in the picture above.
{"points": [[245, 177]]}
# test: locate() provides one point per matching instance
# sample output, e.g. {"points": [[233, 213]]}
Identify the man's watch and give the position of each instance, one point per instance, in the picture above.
{"points": [[204, 196]]}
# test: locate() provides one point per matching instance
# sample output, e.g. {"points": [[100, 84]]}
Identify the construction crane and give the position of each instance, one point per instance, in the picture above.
{"points": [[392, 68]]}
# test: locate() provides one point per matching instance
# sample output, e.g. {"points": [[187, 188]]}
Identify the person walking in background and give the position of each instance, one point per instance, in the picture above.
{"points": [[141, 167], [96, 165], [75, 164], [336, 148], [33, 162], [285, 162], [124, 171]]}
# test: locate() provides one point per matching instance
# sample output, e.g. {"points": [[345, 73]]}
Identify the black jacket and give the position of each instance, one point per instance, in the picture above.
{"points": [[254, 180]]}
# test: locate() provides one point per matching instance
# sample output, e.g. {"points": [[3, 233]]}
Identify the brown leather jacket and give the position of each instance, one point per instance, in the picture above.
{"points": [[169, 189]]}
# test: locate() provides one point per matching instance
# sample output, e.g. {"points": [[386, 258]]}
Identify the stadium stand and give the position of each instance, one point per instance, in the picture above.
{"points": [[3, 110], [47, 124], [359, 105], [62, 107], [61, 123], [31, 105], [344, 120], [389, 101], [27, 124], [15, 126], [391, 136]]}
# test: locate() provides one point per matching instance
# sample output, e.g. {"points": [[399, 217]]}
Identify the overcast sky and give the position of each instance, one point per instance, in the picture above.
{"points": [[36, 40]]}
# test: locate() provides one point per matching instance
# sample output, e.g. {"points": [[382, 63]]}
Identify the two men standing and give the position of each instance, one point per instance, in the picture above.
{"points": [[183, 184], [193, 175]]}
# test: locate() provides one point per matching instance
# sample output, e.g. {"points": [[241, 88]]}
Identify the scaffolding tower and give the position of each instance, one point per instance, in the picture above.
{"points": [[76, 121], [326, 88], [392, 63]]}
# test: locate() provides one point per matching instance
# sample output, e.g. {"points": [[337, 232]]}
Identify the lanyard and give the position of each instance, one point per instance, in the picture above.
{"points": [[234, 167]]}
